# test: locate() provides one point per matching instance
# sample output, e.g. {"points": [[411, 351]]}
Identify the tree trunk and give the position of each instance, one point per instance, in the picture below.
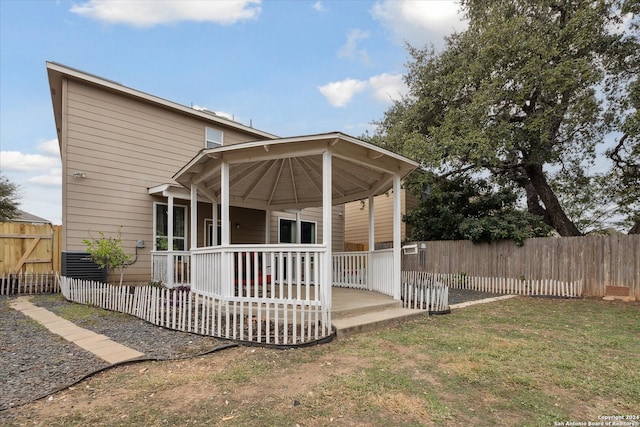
{"points": [[519, 175], [559, 220], [635, 229]]}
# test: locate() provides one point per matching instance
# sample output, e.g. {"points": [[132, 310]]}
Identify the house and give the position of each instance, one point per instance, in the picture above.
{"points": [[120, 148], [356, 218], [237, 213], [27, 218]]}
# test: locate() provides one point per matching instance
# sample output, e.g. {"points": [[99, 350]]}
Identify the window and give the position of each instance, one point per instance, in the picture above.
{"points": [[208, 223], [161, 229], [288, 231], [213, 138]]}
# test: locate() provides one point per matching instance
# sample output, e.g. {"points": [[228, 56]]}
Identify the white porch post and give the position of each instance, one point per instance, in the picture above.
{"points": [[267, 227], [397, 261], [170, 260], [194, 216], [298, 228], [214, 220], [372, 225], [194, 230], [372, 241], [224, 213], [326, 283]]}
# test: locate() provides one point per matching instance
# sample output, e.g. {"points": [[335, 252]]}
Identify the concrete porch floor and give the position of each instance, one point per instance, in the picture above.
{"points": [[355, 310]]}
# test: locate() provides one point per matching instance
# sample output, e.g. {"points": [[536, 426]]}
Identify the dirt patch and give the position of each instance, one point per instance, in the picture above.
{"points": [[174, 385]]}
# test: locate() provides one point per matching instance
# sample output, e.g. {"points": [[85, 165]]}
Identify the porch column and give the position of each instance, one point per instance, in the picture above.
{"points": [[224, 213], [214, 219], [224, 207], [194, 216], [170, 260], [397, 219], [372, 242], [267, 227], [326, 283], [298, 228], [372, 225], [194, 231]]}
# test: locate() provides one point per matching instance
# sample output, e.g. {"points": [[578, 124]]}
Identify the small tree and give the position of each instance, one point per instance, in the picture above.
{"points": [[108, 253], [8, 199]]}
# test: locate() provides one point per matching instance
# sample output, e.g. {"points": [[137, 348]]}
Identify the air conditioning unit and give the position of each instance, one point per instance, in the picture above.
{"points": [[78, 265]]}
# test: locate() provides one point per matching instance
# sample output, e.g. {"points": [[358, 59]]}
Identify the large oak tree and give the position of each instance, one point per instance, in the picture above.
{"points": [[528, 90]]}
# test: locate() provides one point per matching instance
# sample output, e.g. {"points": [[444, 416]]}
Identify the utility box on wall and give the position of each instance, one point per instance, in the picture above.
{"points": [[78, 265]]}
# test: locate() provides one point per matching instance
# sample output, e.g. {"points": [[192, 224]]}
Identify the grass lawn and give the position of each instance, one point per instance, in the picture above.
{"points": [[523, 361]]}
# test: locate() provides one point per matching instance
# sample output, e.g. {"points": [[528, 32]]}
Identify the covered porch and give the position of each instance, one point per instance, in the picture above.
{"points": [[286, 174]]}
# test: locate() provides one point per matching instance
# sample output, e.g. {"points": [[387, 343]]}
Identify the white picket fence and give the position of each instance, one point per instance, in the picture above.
{"points": [[506, 285], [28, 283], [421, 291], [259, 320]]}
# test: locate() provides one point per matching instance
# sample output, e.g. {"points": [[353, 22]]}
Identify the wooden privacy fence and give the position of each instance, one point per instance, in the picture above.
{"points": [[28, 283], [594, 261], [29, 248], [278, 322]]}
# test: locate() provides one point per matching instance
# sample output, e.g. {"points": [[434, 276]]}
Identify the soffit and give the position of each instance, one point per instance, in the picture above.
{"points": [[286, 173]]}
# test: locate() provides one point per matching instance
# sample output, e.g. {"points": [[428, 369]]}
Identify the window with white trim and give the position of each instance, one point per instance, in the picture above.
{"points": [[288, 231], [213, 138], [208, 225], [161, 227]]}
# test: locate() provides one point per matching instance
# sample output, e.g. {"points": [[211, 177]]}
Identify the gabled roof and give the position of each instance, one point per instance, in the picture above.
{"points": [[286, 173], [57, 72], [26, 217]]}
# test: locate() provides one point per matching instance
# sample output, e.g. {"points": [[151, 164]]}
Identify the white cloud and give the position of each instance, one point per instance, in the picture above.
{"points": [[340, 93], [153, 12], [52, 179], [350, 48], [383, 87], [319, 6], [50, 147], [388, 87], [15, 160], [419, 22]]}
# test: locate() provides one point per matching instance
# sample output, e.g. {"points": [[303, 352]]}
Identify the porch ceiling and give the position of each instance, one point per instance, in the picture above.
{"points": [[286, 173]]}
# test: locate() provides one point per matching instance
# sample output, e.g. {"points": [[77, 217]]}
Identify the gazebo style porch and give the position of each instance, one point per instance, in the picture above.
{"points": [[277, 175]]}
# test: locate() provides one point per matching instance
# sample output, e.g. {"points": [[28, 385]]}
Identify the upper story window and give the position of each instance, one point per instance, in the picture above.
{"points": [[213, 138]]}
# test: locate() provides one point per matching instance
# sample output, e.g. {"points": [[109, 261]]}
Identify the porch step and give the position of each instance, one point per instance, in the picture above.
{"points": [[364, 308], [369, 321]]}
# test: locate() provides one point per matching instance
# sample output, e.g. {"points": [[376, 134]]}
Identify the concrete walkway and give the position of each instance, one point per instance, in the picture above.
{"points": [[100, 345]]}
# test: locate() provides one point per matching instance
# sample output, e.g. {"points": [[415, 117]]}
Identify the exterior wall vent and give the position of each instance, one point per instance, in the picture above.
{"points": [[78, 265]]}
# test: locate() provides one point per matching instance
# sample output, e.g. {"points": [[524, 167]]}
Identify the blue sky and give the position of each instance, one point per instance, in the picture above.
{"points": [[288, 67]]}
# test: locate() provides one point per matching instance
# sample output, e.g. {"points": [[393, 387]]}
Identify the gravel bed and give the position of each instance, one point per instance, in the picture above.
{"points": [[35, 362], [456, 296]]}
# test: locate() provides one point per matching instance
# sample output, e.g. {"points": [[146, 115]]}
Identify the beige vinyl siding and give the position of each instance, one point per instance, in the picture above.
{"points": [[357, 218], [123, 146]]}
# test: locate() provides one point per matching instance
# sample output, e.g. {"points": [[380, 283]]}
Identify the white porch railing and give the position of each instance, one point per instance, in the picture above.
{"points": [[279, 284], [364, 270], [350, 269], [171, 268], [381, 272]]}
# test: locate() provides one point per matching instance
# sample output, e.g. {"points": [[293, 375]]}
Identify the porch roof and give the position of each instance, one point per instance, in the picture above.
{"points": [[286, 173]]}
